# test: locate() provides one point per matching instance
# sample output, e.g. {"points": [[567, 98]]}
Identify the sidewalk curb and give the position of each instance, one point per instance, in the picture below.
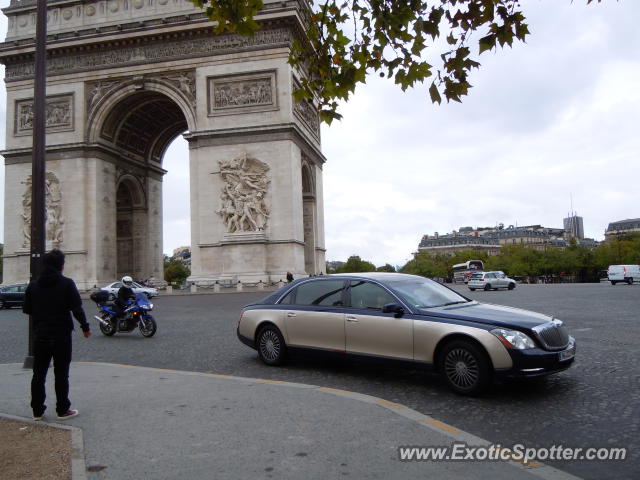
{"points": [[538, 469], [78, 467]]}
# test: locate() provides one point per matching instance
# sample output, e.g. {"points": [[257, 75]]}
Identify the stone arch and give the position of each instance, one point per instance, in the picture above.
{"points": [[309, 219], [131, 214], [308, 184], [117, 94], [120, 96]]}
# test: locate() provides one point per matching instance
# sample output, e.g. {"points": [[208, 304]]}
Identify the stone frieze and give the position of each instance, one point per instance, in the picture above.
{"points": [[159, 52]]}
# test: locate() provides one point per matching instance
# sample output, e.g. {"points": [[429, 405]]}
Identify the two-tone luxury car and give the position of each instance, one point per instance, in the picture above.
{"points": [[406, 319]]}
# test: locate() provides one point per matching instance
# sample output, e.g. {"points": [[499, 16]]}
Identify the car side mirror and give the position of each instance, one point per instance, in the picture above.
{"points": [[394, 308]]}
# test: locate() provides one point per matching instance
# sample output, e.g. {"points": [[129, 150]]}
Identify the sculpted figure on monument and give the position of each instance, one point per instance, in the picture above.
{"points": [[53, 210], [243, 207]]}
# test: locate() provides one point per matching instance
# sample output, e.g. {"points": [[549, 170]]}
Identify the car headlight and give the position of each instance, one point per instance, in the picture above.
{"points": [[513, 338]]}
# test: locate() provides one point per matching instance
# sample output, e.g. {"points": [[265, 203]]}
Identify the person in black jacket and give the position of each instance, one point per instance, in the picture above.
{"points": [[50, 300], [125, 293]]}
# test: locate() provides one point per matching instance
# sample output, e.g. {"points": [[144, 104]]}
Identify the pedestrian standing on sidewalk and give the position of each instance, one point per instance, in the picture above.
{"points": [[50, 300]]}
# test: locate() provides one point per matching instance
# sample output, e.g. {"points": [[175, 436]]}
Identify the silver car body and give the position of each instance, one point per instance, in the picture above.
{"points": [[490, 281], [113, 288]]}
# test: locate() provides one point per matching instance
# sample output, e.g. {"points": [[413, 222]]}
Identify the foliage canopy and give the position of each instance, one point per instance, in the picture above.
{"points": [[347, 39]]}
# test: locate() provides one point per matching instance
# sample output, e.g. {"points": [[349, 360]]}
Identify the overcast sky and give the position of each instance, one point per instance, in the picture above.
{"points": [[550, 120]]}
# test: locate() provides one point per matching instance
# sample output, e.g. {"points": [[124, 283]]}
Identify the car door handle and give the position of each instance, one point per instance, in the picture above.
{"points": [[291, 314], [352, 319]]}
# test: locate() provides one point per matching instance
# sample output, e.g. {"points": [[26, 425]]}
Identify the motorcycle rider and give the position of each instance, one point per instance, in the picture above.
{"points": [[125, 293]]}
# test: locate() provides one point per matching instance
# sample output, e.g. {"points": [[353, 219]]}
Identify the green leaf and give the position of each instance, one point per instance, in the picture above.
{"points": [[435, 94]]}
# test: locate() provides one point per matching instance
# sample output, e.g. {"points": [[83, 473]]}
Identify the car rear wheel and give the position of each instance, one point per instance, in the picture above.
{"points": [[630, 281], [271, 347], [465, 367], [472, 289], [487, 287], [613, 282]]}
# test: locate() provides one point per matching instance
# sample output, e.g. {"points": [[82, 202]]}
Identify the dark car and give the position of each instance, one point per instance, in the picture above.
{"points": [[407, 319], [12, 295]]}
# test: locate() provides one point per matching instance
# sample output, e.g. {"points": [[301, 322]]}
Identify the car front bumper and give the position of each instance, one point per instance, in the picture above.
{"points": [[535, 362]]}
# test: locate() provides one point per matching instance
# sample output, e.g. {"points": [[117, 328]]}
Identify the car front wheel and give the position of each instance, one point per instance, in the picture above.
{"points": [[271, 347], [512, 286], [465, 367]]}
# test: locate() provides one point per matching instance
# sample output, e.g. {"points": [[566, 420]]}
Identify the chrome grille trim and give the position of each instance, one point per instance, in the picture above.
{"points": [[552, 335]]}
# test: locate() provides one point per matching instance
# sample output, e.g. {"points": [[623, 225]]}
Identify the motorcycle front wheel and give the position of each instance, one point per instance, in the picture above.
{"points": [[147, 326], [107, 330]]}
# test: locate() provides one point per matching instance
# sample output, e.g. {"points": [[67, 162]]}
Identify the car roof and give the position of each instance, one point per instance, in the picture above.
{"points": [[379, 276]]}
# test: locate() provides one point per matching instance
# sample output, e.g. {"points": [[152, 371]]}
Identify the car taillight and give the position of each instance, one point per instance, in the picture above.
{"points": [[625, 270]]}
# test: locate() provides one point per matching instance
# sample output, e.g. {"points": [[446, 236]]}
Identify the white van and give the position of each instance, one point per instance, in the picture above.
{"points": [[623, 273]]}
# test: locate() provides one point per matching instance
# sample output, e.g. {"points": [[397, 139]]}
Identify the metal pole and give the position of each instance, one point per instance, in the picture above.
{"points": [[38, 159]]}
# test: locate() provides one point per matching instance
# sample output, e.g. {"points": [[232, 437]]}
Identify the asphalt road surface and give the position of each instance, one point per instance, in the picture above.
{"points": [[593, 404]]}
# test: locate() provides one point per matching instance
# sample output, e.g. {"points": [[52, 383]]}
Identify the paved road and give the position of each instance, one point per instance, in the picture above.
{"points": [[594, 404]]}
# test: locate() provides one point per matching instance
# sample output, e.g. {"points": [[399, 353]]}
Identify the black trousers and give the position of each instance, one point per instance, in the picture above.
{"points": [[43, 352]]}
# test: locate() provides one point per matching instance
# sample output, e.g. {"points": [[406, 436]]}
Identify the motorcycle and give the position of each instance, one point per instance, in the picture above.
{"points": [[135, 315]]}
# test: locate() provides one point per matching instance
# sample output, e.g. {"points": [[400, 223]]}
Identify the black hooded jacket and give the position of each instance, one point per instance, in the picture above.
{"points": [[50, 300]]}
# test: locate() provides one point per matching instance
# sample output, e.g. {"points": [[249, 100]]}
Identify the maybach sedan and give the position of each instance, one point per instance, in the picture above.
{"points": [[410, 320]]}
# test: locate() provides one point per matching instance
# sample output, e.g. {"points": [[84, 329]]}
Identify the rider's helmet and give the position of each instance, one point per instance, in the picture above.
{"points": [[127, 280]]}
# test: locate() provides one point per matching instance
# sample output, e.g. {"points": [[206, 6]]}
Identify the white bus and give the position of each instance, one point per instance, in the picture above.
{"points": [[462, 271]]}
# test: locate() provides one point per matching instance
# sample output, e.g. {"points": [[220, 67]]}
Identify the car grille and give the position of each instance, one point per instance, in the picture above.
{"points": [[553, 335]]}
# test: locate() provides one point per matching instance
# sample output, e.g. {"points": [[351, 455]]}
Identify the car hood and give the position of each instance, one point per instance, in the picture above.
{"points": [[489, 314]]}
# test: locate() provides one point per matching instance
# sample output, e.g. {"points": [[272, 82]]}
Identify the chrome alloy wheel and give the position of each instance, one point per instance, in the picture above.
{"points": [[461, 368], [270, 346]]}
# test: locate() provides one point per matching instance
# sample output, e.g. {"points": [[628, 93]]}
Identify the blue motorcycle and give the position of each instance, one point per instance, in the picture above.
{"points": [[135, 315]]}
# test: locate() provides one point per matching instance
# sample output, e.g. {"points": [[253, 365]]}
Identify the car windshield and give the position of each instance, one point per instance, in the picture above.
{"points": [[425, 293], [476, 275]]}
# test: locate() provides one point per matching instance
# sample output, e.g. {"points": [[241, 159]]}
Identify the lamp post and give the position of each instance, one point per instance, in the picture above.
{"points": [[38, 158]]}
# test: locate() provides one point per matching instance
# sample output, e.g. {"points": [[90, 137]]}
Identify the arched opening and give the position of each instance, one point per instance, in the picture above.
{"points": [[137, 129], [309, 219]]}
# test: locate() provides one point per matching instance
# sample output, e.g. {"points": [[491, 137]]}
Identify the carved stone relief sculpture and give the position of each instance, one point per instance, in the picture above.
{"points": [[242, 94], [186, 83], [54, 220], [59, 114], [97, 91], [243, 205]]}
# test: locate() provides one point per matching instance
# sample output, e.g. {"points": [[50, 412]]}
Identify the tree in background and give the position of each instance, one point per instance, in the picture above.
{"points": [[346, 40], [175, 273], [356, 265], [386, 268]]}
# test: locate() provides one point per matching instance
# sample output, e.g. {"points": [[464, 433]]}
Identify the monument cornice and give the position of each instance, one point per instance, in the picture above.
{"points": [[82, 150], [79, 56], [257, 134]]}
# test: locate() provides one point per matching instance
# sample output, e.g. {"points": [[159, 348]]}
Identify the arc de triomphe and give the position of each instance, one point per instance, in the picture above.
{"points": [[124, 79]]}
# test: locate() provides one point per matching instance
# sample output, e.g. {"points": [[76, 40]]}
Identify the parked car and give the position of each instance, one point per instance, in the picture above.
{"points": [[408, 320], [623, 273], [12, 295], [490, 281], [113, 288]]}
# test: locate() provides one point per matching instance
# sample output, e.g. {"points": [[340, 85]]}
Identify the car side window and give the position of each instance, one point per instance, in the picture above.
{"points": [[319, 292], [11, 289], [369, 295], [288, 298]]}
